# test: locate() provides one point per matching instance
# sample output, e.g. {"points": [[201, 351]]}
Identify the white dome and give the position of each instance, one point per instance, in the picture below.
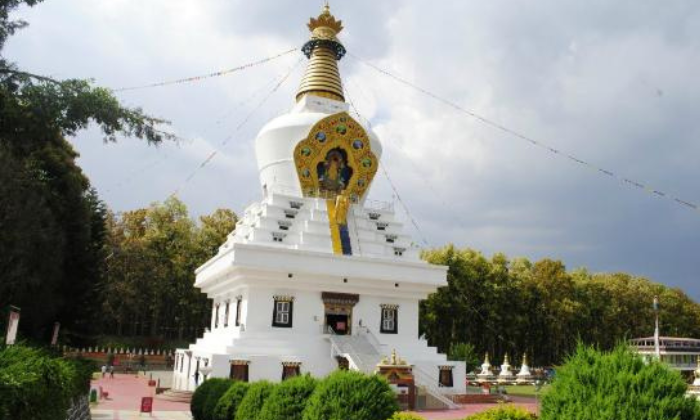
{"points": [[274, 145]]}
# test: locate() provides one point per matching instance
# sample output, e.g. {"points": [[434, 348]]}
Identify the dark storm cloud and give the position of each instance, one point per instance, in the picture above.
{"points": [[611, 82]]}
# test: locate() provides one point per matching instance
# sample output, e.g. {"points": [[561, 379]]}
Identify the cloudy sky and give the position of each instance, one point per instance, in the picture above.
{"points": [[614, 83]]}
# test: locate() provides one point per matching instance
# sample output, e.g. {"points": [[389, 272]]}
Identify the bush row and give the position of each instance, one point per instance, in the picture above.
{"points": [[343, 395], [592, 385], [35, 385]]}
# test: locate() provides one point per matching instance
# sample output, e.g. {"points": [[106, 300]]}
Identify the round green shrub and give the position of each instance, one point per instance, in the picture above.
{"points": [[201, 405], [215, 394], [351, 395], [288, 400], [405, 416], [228, 403], [37, 386], [254, 399], [617, 385], [504, 412]]}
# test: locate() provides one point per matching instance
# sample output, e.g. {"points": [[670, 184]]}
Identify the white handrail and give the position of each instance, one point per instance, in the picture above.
{"points": [[427, 381]]}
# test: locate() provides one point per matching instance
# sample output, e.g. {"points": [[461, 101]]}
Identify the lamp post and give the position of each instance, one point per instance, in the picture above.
{"points": [[657, 347]]}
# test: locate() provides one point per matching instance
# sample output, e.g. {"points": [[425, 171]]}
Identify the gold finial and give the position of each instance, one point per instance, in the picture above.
{"points": [[323, 50], [325, 26], [524, 358], [486, 359], [505, 361]]}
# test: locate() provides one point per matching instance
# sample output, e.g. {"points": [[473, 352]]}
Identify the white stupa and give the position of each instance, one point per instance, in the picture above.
{"points": [[316, 275], [486, 374], [524, 376], [506, 374]]}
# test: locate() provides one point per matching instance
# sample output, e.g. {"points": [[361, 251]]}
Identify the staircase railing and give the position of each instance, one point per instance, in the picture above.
{"points": [[372, 339], [428, 382], [342, 345]]}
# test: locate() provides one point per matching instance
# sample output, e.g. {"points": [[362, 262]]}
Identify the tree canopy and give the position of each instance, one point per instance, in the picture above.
{"points": [[515, 306], [153, 253]]}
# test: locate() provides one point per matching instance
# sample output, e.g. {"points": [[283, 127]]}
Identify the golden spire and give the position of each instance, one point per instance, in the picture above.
{"points": [[323, 51]]}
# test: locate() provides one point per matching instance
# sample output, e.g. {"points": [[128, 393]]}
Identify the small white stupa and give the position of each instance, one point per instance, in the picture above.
{"points": [[524, 376], [506, 374], [486, 375]]}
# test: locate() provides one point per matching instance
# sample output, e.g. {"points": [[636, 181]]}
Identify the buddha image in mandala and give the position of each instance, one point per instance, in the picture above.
{"points": [[334, 173]]}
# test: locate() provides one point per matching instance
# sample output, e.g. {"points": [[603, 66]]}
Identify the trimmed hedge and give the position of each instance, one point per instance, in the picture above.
{"points": [[254, 400], [505, 412], [37, 386], [617, 385], [288, 400], [406, 416], [228, 404], [201, 404], [216, 391], [350, 395]]}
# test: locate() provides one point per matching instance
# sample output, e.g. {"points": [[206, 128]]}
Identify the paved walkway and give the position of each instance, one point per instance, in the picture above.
{"points": [[124, 400], [135, 415]]}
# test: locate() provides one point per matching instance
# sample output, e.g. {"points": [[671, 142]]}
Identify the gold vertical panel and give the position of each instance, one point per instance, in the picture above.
{"points": [[337, 131], [335, 229]]}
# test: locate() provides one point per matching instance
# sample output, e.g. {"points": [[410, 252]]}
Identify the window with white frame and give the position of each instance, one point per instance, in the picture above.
{"points": [[282, 313], [389, 320]]}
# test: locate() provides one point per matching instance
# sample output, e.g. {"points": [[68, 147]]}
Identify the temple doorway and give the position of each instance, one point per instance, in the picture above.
{"points": [[338, 323], [338, 312]]}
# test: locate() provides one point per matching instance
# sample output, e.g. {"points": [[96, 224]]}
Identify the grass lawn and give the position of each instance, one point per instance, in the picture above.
{"points": [[524, 390]]}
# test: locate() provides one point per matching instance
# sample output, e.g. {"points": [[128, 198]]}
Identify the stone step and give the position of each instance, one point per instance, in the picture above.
{"points": [[175, 396]]}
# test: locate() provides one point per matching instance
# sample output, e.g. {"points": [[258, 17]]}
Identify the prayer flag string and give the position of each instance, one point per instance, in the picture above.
{"points": [[626, 181], [207, 76]]}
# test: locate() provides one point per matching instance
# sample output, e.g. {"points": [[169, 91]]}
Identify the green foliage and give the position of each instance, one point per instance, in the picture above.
{"points": [[405, 416], [216, 391], [154, 253], [254, 400], [228, 403], [504, 412], [200, 404], [350, 395], [541, 308], [37, 386], [464, 352], [288, 400], [616, 386], [52, 222]]}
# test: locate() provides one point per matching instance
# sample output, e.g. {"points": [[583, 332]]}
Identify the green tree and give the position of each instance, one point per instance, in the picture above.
{"points": [[154, 252], [464, 352], [618, 385], [516, 306], [52, 221]]}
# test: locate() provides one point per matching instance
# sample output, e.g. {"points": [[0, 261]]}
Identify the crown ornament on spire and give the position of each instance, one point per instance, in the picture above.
{"points": [[323, 50], [325, 26]]}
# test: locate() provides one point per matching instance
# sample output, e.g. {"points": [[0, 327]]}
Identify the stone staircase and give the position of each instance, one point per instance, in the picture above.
{"points": [[175, 396]]}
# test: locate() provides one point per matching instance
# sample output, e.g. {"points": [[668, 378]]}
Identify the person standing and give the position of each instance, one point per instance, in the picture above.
{"points": [[111, 372], [104, 371]]}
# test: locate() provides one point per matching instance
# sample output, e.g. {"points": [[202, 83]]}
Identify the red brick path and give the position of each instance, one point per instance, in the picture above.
{"points": [[125, 393]]}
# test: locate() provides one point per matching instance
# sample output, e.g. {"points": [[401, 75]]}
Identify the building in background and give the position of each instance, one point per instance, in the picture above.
{"points": [[679, 353]]}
